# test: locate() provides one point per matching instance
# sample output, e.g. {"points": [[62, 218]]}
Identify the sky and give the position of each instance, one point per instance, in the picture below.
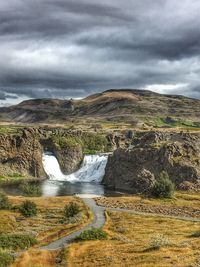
{"points": [[74, 48]]}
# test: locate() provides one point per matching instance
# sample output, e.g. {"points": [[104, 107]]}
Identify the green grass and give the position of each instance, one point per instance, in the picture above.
{"points": [[16, 241], [93, 234], [15, 175], [6, 259], [13, 178], [170, 122], [91, 143], [30, 190], [11, 129]]}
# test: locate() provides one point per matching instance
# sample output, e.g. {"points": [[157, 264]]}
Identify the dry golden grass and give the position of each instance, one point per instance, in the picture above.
{"points": [[36, 258], [131, 239], [130, 242], [180, 199], [45, 226]]}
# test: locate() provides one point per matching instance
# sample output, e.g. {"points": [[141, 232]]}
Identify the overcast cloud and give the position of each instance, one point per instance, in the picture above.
{"points": [[63, 48]]}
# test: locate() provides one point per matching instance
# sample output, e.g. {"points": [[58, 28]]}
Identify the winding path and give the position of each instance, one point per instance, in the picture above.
{"points": [[99, 221]]}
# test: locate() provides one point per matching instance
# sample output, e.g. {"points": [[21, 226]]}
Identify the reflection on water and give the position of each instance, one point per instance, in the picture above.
{"points": [[64, 188], [57, 188]]}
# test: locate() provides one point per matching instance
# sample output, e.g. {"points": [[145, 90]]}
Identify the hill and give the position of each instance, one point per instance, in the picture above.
{"points": [[125, 105]]}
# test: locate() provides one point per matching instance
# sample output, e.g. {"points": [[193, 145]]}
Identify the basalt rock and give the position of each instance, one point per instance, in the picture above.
{"points": [[136, 169], [21, 155], [69, 159]]}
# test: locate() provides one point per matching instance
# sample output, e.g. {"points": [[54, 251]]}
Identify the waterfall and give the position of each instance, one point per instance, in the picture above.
{"points": [[91, 170]]}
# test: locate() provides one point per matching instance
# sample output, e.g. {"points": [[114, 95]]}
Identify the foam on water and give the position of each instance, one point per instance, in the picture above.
{"points": [[91, 170]]}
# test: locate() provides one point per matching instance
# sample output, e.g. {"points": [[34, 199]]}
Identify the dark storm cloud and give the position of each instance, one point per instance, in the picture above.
{"points": [[74, 48]]}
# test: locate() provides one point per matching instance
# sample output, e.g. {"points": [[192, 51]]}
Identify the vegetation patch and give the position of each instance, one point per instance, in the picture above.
{"points": [[64, 142], [15, 175], [158, 241], [16, 241], [47, 225], [4, 202], [71, 214], [13, 178], [196, 234], [71, 210], [31, 190], [163, 187], [170, 122], [93, 234], [28, 209], [11, 129], [91, 143], [6, 259]]}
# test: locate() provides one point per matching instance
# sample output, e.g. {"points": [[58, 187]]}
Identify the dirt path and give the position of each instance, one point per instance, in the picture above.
{"points": [[99, 221]]}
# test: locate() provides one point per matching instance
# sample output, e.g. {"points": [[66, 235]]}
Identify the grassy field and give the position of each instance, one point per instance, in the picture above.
{"points": [[139, 241], [46, 225], [17, 231], [133, 240]]}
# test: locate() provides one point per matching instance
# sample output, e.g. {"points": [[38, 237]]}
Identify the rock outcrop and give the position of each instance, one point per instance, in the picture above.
{"points": [[136, 169], [69, 159], [21, 155]]}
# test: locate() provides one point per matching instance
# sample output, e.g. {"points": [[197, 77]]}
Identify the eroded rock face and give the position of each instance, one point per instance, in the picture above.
{"points": [[136, 169], [21, 155], [69, 159]]}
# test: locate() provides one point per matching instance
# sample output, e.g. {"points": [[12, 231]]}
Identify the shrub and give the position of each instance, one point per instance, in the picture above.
{"points": [[93, 143], [158, 241], [163, 187], [93, 234], [71, 220], [4, 202], [64, 142], [28, 209], [31, 190], [6, 259], [16, 241], [196, 234], [71, 210]]}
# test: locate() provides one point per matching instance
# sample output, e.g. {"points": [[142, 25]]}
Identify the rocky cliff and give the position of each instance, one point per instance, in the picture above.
{"points": [[21, 155], [137, 168], [69, 155]]}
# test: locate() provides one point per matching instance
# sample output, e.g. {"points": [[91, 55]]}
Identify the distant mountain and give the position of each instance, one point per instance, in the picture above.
{"points": [[123, 104]]}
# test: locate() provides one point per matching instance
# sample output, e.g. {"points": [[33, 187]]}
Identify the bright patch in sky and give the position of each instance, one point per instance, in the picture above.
{"points": [[166, 88]]}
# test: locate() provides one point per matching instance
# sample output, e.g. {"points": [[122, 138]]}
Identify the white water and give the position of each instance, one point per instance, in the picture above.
{"points": [[92, 169]]}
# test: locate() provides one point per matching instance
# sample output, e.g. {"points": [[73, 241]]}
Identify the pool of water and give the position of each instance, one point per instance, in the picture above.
{"points": [[64, 188], [85, 181]]}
